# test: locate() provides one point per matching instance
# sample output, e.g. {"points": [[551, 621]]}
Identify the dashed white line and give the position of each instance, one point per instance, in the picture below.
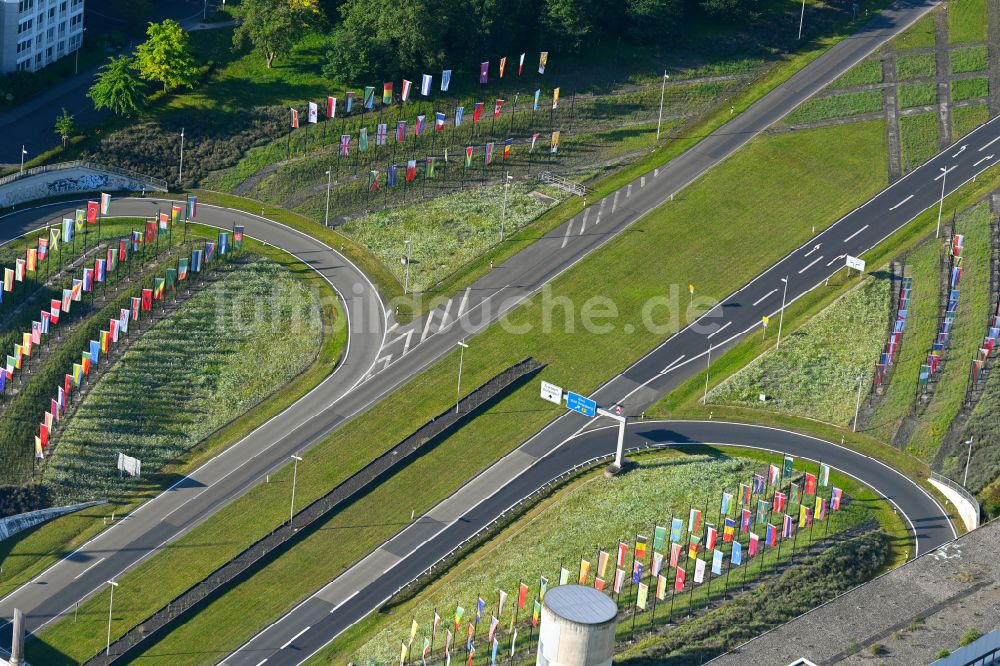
{"points": [[815, 247], [292, 640], [444, 317], [856, 233], [642, 181], [569, 230], [758, 301], [614, 202], [628, 190], [586, 214], [465, 301], [409, 337], [810, 264], [262, 661], [835, 259], [427, 325], [901, 202], [719, 330], [89, 568], [985, 146]]}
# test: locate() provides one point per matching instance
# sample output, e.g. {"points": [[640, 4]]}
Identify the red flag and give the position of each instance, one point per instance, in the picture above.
{"points": [[810, 484], [622, 553], [147, 299], [522, 595], [679, 581], [92, 209]]}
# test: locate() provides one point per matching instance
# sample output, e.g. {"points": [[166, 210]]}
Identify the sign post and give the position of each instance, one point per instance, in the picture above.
{"points": [[619, 451], [856, 264], [552, 393]]}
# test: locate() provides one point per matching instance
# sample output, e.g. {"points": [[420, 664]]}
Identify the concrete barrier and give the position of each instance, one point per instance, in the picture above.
{"points": [[11, 525], [77, 177]]}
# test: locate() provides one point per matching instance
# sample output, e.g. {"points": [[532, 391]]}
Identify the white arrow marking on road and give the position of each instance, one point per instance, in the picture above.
{"points": [[836, 259], [720, 329], [989, 144], [988, 157], [815, 247], [960, 151], [901, 202], [294, 637], [856, 233], [676, 361], [757, 302], [813, 262], [945, 172]]}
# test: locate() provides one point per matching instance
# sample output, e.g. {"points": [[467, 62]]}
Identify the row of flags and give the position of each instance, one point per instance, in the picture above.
{"points": [[426, 88], [933, 360], [891, 350], [989, 343], [694, 550], [441, 119]]}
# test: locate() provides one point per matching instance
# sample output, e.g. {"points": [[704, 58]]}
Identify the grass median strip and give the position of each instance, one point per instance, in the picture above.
{"points": [[775, 210]]}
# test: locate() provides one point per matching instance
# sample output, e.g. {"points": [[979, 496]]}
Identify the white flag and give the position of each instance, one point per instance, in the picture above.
{"points": [[331, 107], [313, 112], [425, 85], [699, 570]]}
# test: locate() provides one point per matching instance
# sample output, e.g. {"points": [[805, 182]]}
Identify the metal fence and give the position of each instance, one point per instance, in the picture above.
{"points": [[958, 488]]}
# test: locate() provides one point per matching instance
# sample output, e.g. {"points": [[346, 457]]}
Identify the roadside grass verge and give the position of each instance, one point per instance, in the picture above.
{"points": [[969, 59], [964, 89], [967, 21], [571, 525], [30, 552], [837, 106], [915, 66], [817, 185], [964, 119], [967, 333], [814, 373], [917, 94], [919, 137], [866, 72], [919, 36]]}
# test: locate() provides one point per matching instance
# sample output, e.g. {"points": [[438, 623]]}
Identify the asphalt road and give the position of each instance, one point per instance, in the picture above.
{"points": [[320, 618], [412, 348]]}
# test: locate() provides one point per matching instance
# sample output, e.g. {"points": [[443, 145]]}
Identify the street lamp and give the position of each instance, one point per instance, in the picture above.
{"points": [[461, 357], [944, 177], [180, 168], [503, 216], [802, 18], [76, 66], [781, 318], [965, 480], [329, 186], [295, 477], [857, 406], [24, 152], [406, 282], [663, 89], [111, 604]]}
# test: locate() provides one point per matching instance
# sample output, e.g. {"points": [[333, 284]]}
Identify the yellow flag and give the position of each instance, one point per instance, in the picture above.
{"points": [[413, 630], [643, 593]]}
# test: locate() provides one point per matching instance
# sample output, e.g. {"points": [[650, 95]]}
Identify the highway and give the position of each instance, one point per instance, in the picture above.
{"points": [[401, 352]]}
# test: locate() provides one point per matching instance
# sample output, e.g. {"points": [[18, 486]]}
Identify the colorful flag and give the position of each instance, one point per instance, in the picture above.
{"points": [[425, 84], [659, 537], [387, 93], [459, 113], [752, 548], [192, 206], [459, 612], [820, 508], [520, 65], [773, 474], [391, 175], [438, 121], [484, 73], [31, 263], [694, 521], [401, 131], [363, 139], [643, 594], [786, 526], [411, 170], [622, 553], [661, 587], [727, 499], [736, 557], [676, 529], [503, 65], [468, 156], [372, 180], [405, 93], [348, 101], [80, 219], [295, 118], [619, 579], [543, 59], [771, 535], [599, 584], [717, 562], [554, 143], [563, 575], [779, 502], [824, 475], [331, 107], [693, 547], [555, 99], [787, 467], [506, 148], [699, 570], [534, 105], [729, 530], [745, 521], [657, 563], [675, 554], [67, 230], [640, 547], [805, 516], [636, 571], [429, 167], [602, 563], [679, 581], [369, 102], [497, 107], [758, 484], [584, 571], [313, 116], [445, 80], [810, 484], [345, 145], [793, 491], [835, 498], [543, 585], [710, 537], [763, 509], [237, 237], [419, 128]]}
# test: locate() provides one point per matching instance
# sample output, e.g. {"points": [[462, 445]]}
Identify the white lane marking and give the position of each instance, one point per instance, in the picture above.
{"points": [[465, 301], [614, 202], [427, 325], [586, 214], [757, 302], [294, 637], [675, 362], [960, 151], [409, 337], [836, 259], [988, 157], [628, 190], [447, 309], [987, 145], [945, 172], [89, 568], [656, 172], [901, 202], [262, 661], [719, 330], [569, 230], [642, 181], [393, 327], [810, 264], [815, 247], [856, 233], [337, 607]]}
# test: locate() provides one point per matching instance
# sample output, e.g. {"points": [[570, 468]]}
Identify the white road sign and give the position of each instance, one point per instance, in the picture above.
{"points": [[552, 393], [855, 263]]}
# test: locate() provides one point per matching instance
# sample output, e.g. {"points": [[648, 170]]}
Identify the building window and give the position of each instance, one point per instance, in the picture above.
{"points": [[24, 46], [75, 21], [24, 6], [25, 26]]}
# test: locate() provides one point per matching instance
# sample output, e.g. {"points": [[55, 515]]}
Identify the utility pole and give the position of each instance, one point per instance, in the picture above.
{"points": [[329, 186], [503, 216], [180, 168], [967, 461], [406, 281], [111, 605], [944, 177], [295, 478], [24, 152], [802, 18], [857, 405], [461, 357], [781, 317], [663, 89]]}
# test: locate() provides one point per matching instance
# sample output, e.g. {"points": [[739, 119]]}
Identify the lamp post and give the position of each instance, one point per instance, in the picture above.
{"points": [[24, 152], [663, 89], [406, 280], [111, 605], [781, 317], [944, 177], [857, 405], [180, 167], [461, 357], [76, 65], [329, 186], [802, 18], [295, 478], [968, 459], [503, 215]]}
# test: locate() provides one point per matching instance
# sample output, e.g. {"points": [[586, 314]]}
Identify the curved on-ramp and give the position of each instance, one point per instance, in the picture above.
{"points": [[337, 606]]}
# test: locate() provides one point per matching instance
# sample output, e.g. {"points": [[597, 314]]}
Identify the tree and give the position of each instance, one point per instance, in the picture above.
{"points": [[732, 11], [272, 26], [65, 126], [653, 20], [135, 13], [117, 87], [166, 56]]}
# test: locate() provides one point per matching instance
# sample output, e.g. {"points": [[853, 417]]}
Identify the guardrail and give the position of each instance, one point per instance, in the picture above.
{"points": [[154, 183], [960, 489], [563, 183]]}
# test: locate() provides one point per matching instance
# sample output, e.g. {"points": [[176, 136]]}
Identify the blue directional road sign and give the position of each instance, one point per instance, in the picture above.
{"points": [[578, 403]]}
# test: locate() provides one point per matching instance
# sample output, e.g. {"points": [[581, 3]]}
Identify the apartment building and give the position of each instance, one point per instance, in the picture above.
{"points": [[36, 33]]}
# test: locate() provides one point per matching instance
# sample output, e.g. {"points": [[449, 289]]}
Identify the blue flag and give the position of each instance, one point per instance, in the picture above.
{"points": [[459, 112], [737, 557], [95, 351], [392, 176], [445, 80], [716, 562], [676, 527]]}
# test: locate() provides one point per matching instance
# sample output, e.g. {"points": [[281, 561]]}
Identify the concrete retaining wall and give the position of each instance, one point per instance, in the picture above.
{"points": [[75, 180], [11, 525]]}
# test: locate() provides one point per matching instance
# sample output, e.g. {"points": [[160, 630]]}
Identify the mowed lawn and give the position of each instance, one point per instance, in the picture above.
{"points": [[743, 215]]}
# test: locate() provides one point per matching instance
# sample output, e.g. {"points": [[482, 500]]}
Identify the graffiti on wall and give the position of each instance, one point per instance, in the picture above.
{"points": [[60, 183]]}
